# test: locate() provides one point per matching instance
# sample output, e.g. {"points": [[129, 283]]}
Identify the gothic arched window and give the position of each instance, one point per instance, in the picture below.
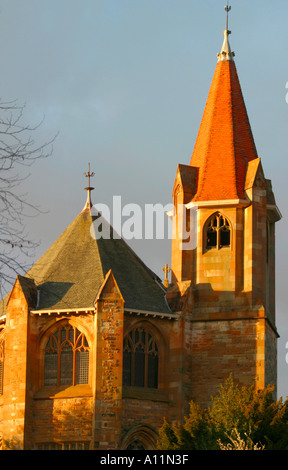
{"points": [[140, 359], [2, 346], [66, 360], [218, 232]]}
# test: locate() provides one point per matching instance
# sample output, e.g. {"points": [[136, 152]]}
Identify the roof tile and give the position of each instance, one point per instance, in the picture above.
{"points": [[225, 142]]}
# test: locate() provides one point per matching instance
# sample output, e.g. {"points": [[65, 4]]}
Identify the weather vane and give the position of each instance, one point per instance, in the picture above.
{"points": [[89, 175], [227, 9]]}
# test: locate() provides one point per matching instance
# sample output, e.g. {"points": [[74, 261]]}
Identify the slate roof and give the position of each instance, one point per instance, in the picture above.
{"points": [[72, 270]]}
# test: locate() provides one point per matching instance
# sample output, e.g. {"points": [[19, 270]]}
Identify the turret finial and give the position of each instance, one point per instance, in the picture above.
{"points": [[88, 204]]}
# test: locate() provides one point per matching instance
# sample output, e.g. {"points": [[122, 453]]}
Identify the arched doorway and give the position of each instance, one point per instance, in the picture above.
{"points": [[140, 437]]}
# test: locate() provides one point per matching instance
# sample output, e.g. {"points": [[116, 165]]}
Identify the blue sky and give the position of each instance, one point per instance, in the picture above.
{"points": [[125, 82]]}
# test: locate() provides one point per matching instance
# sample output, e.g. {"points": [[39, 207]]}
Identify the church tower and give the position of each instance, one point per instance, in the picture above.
{"points": [[95, 350], [223, 258]]}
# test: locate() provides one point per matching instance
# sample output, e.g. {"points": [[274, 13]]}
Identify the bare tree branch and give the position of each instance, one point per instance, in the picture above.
{"points": [[17, 148]]}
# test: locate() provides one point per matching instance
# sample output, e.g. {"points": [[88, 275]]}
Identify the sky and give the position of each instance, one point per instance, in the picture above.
{"points": [[123, 84]]}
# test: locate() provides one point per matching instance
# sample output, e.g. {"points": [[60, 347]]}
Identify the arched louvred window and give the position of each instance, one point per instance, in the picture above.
{"points": [[140, 359], [66, 360], [218, 232], [2, 352]]}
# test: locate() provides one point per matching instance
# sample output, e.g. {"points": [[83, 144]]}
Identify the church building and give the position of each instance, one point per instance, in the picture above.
{"points": [[95, 350]]}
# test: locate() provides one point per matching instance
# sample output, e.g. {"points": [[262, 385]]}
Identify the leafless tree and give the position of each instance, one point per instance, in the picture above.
{"points": [[17, 149]]}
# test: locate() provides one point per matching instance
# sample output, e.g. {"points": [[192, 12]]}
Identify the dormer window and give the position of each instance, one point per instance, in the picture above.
{"points": [[218, 232]]}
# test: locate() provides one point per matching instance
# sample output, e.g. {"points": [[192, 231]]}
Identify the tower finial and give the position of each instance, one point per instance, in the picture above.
{"points": [[88, 204]]}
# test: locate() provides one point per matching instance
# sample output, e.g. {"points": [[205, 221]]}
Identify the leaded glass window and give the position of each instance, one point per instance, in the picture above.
{"points": [[66, 359], [140, 359]]}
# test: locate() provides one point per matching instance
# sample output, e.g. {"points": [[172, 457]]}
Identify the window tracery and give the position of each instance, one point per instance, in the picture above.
{"points": [[218, 232], [66, 360], [140, 359]]}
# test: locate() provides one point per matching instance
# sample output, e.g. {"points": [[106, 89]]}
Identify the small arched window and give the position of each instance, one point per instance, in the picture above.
{"points": [[218, 232], [140, 359], [66, 360], [2, 351]]}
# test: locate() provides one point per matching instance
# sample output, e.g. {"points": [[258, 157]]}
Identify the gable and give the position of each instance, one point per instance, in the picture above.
{"points": [[186, 179], [109, 289]]}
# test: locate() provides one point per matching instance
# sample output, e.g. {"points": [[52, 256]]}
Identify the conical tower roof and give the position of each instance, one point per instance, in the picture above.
{"points": [[225, 143]]}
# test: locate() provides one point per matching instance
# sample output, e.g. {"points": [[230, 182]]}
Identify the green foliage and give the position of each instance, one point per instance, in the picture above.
{"points": [[198, 426], [167, 437], [238, 416]]}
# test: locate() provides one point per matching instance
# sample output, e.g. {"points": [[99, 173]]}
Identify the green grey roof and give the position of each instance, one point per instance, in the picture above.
{"points": [[71, 272]]}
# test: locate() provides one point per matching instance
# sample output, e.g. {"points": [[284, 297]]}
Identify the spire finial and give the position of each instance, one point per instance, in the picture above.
{"points": [[226, 53], [227, 9], [88, 204]]}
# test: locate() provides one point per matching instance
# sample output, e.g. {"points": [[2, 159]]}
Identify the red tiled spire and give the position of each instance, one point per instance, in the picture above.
{"points": [[225, 142]]}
